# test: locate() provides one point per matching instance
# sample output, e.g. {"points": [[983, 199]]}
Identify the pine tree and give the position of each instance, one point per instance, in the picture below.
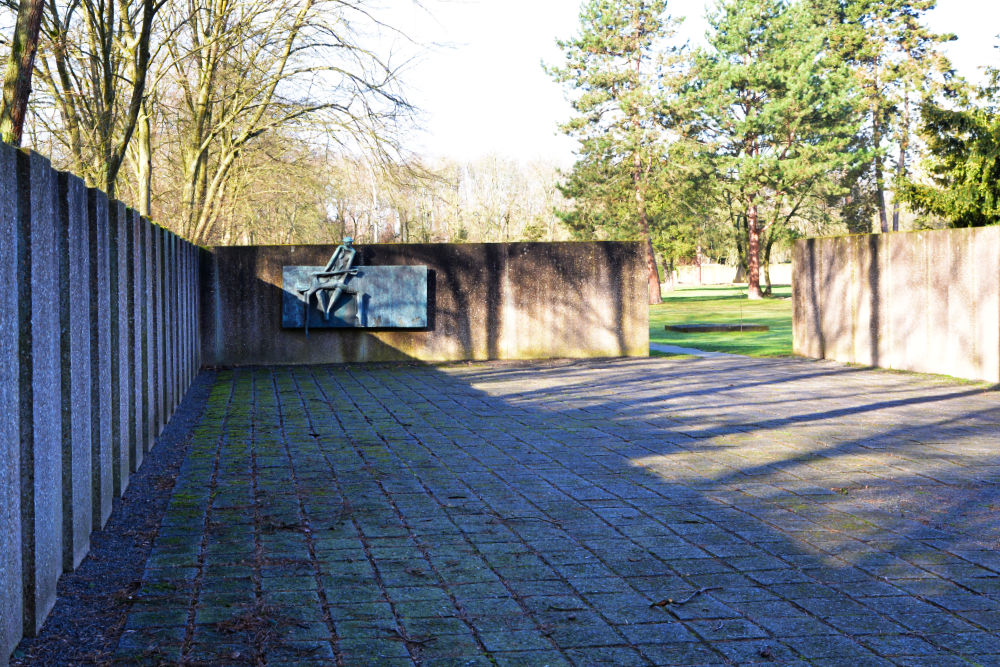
{"points": [[895, 58], [773, 110], [616, 75], [964, 160]]}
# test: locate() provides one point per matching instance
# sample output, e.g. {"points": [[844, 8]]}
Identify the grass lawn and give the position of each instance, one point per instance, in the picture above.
{"points": [[727, 304]]}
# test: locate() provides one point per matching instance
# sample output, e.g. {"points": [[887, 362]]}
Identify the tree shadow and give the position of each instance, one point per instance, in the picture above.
{"points": [[561, 500], [801, 531]]}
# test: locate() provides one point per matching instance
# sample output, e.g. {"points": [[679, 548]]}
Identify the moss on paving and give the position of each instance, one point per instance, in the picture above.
{"points": [[725, 304]]}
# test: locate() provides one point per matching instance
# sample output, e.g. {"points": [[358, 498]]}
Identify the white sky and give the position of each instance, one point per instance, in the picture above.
{"points": [[483, 90]]}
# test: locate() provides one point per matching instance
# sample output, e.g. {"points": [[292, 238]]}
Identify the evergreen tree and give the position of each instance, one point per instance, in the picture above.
{"points": [[616, 74], [964, 160], [895, 58], [774, 111]]}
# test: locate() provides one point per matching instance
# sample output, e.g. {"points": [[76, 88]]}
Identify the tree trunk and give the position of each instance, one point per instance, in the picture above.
{"points": [[654, 276], [638, 177], [697, 258], [20, 65], [904, 145], [741, 235], [647, 240], [879, 177], [767, 264], [753, 252], [144, 162]]}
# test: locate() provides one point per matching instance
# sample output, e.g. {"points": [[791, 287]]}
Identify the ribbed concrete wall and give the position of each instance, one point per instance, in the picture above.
{"points": [[75, 361], [12, 248], [485, 301], [918, 301], [102, 486], [85, 317], [41, 443]]}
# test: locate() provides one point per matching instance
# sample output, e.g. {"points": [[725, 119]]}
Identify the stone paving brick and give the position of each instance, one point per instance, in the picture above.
{"points": [[682, 654], [778, 511]]}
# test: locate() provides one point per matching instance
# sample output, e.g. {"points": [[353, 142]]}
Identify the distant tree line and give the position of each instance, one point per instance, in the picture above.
{"points": [[282, 121], [253, 121], [797, 117], [177, 105], [490, 199]]}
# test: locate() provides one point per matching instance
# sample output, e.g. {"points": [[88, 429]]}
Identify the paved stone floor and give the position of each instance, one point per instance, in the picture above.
{"points": [[633, 512]]}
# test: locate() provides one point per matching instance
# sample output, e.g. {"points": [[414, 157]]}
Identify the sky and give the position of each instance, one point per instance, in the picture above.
{"points": [[479, 83]]}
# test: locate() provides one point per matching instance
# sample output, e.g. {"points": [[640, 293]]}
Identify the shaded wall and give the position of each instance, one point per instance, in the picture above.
{"points": [[919, 301], [485, 301], [98, 340]]}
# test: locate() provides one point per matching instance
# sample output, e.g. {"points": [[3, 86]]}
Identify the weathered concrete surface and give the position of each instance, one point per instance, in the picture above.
{"points": [[123, 430], [41, 435], [486, 301], [138, 309], [74, 316], [189, 275], [195, 311], [835, 316], [985, 243], [11, 260], [159, 333], [177, 282], [779, 511], [76, 373], [920, 301], [169, 321], [103, 332], [807, 335], [117, 312], [868, 254], [191, 313], [148, 336]]}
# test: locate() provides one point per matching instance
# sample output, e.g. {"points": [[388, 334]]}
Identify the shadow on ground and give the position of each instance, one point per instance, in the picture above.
{"points": [[723, 511]]}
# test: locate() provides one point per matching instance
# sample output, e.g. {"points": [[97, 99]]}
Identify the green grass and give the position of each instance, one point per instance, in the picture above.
{"points": [[728, 305]]}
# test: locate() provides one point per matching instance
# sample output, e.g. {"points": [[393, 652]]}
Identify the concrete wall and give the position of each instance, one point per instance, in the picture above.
{"points": [[41, 443], [919, 301], [485, 301], [12, 249], [78, 330], [75, 362]]}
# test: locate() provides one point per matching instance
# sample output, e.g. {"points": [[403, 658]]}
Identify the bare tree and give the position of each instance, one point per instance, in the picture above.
{"points": [[94, 57], [20, 65], [242, 69], [490, 199]]}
